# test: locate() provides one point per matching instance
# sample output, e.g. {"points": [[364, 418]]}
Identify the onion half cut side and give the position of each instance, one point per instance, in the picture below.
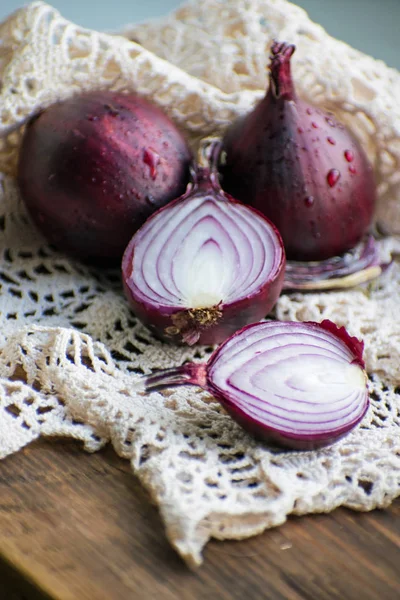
{"points": [[298, 385], [204, 266]]}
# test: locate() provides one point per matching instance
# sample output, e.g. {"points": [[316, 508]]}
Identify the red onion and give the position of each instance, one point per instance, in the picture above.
{"points": [[92, 169], [300, 385], [205, 265], [301, 168]]}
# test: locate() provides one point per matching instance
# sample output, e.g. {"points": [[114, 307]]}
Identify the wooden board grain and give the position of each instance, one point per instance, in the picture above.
{"points": [[75, 526]]}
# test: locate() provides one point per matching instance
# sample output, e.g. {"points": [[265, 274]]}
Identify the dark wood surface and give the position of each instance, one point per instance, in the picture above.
{"points": [[75, 526]]}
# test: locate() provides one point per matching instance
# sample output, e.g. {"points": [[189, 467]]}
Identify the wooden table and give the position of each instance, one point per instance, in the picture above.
{"points": [[75, 526]]}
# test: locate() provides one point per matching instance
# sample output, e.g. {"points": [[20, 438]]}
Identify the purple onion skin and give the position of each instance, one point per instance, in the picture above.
{"points": [[300, 167], [92, 169], [284, 439], [233, 316]]}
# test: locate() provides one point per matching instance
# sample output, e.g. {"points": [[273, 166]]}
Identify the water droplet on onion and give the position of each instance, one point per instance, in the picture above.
{"points": [[150, 200], [309, 201], [333, 177], [152, 160]]}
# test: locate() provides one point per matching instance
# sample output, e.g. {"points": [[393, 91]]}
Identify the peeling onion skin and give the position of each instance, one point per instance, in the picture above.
{"points": [[360, 265], [173, 319], [92, 168], [301, 168], [318, 417]]}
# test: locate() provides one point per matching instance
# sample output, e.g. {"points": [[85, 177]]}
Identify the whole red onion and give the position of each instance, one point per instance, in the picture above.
{"points": [[299, 385], [205, 265], [301, 168], [92, 169]]}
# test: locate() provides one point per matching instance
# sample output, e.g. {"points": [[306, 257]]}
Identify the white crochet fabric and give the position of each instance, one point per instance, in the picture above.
{"points": [[71, 350]]}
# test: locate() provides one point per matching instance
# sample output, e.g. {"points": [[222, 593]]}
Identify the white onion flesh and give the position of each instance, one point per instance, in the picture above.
{"points": [[298, 379], [206, 253]]}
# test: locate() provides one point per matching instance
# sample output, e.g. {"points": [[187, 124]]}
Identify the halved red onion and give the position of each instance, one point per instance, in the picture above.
{"points": [[300, 385], [205, 265]]}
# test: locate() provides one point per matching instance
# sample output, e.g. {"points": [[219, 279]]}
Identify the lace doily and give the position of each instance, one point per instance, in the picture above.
{"points": [[71, 350]]}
